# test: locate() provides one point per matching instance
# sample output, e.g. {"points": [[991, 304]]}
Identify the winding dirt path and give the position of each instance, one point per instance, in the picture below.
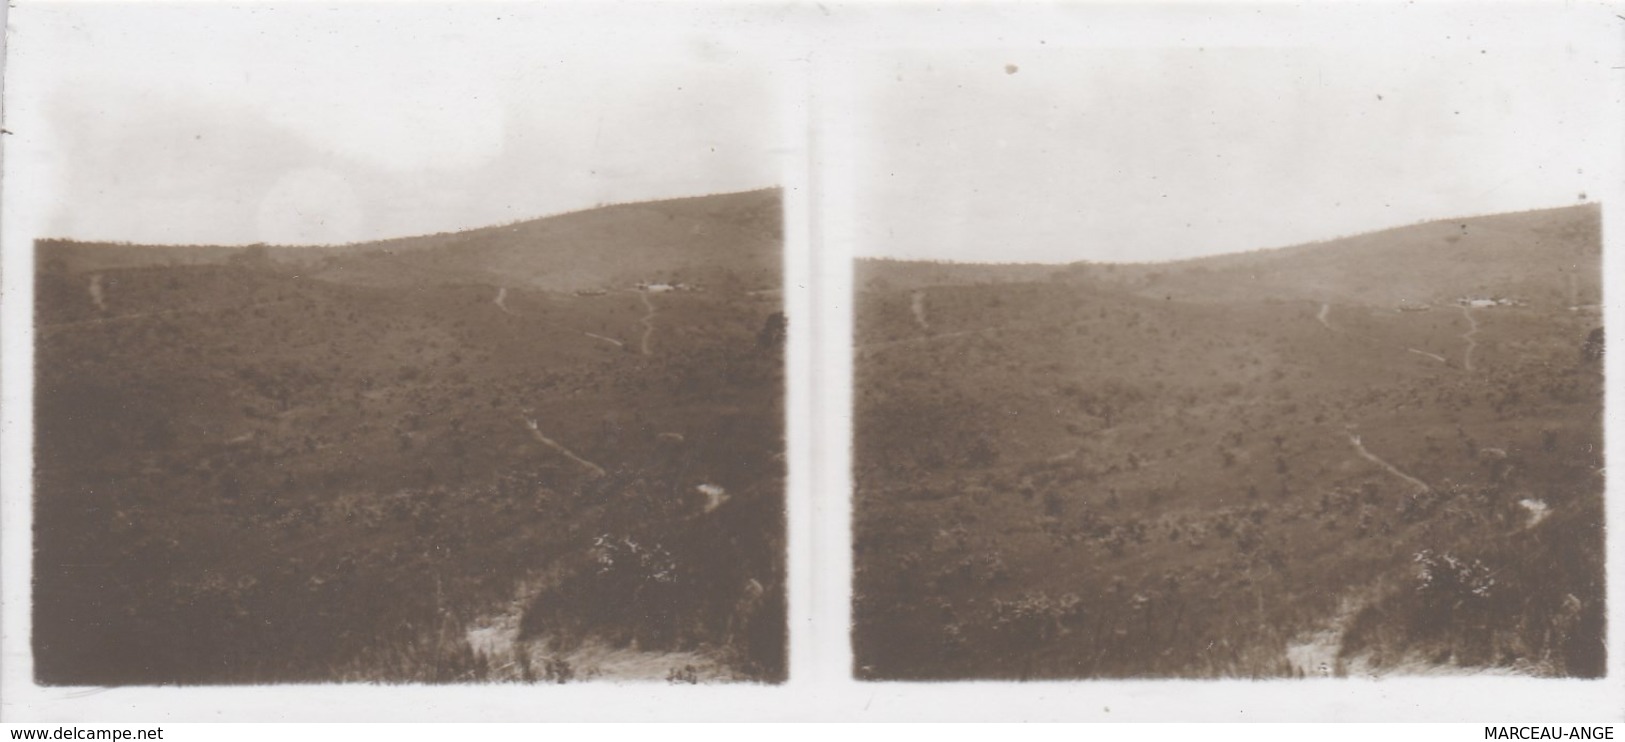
{"points": [[1467, 358], [502, 299], [1317, 652], [1420, 485], [495, 636], [647, 321], [536, 432], [918, 307], [611, 341], [1324, 317]]}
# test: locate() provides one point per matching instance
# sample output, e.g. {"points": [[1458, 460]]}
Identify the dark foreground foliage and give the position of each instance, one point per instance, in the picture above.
{"points": [[247, 474]]}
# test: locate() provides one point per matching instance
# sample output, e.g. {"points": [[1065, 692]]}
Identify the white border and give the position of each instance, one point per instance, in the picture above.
{"points": [[816, 42]]}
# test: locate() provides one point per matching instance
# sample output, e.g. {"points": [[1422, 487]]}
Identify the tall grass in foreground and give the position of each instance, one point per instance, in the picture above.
{"points": [[1532, 602]]}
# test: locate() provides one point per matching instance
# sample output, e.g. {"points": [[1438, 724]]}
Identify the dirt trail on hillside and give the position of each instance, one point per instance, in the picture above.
{"points": [[1314, 653], [647, 321], [1317, 652], [501, 301], [1390, 468], [1467, 359], [613, 341], [918, 307], [536, 432], [1324, 317], [96, 292], [495, 636]]}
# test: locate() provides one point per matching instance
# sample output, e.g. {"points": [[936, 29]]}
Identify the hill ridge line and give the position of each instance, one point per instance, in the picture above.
{"points": [[1180, 262], [382, 241]]}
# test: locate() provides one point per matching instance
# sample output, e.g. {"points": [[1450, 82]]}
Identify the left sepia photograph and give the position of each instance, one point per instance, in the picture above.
{"points": [[404, 344]]}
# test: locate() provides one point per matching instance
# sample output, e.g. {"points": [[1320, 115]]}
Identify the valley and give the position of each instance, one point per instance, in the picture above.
{"points": [[346, 464], [1287, 463]]}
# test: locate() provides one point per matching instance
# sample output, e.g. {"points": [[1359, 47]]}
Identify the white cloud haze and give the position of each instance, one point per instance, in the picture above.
{"points": [[1327, 122], [308, 124]]}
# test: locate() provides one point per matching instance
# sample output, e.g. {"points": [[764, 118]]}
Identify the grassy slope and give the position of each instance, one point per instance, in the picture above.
{"points": [[247, 474], [1122, 482], [1537, 255], [708, 238]]}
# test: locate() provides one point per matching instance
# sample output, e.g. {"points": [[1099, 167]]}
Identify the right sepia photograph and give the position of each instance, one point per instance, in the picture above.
{"points": [[1227, 362]]}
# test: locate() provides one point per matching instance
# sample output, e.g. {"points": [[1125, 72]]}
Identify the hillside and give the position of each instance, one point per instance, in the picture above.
{"points": [[430, 460], [1296, 462], [1550, 256], [708, 239]]}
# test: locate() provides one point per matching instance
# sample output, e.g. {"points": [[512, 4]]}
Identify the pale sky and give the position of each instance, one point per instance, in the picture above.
{"points": [[1285, 126], [305, 124], [1143, 132]]}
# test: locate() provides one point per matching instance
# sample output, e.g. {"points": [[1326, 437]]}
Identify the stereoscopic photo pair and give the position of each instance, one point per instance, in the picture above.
{"points": [[366, 367]]}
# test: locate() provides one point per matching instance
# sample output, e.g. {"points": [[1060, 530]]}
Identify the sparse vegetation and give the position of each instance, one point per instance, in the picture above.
{"points": [[1202, 469], [276, 466]]}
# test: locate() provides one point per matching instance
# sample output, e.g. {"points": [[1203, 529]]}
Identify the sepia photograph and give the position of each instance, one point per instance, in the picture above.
{"points": [[404, 344], [1242, 361], [408, 361]]}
